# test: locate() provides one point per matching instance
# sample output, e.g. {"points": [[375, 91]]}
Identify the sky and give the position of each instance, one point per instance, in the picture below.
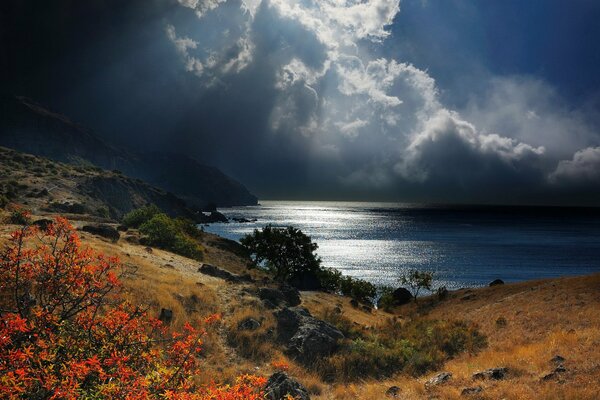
{"points": [[439, 101]]}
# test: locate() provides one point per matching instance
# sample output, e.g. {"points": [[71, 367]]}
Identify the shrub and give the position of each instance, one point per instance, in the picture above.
{"points": [[330, 279], [414, 347], [66, 334], [164, 232], [358, 289], [19, 216], [136, 218], [417, 280]]}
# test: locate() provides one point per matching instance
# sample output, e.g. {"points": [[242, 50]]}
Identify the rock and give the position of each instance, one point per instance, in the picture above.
{"points": [[275, 296], [492, 373], [105, 231], [291, 294], [306, 337], [469, 296], [148, 249], [211, 217], [442, 293], [285, 295], [367, 309], [439, 379], [169, 266], [133, 239], [471, 390], [400, 297], [496, 282], [354, 303], [166, 315], [560, 368], [281, 387], [248, 324], [393, 391], [269, 304], [217, 272], [337, 310], [557, 359], [555, 374]]}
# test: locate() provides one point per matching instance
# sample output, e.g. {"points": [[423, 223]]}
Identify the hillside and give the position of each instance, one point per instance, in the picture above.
{"points": [[31, 128], [46, 187], [526, 325]]}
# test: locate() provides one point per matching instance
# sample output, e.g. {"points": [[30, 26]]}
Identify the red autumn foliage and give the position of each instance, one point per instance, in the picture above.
{"points": [[65, 334]]}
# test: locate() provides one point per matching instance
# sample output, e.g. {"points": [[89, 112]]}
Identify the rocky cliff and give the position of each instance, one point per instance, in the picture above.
{"points": [[31, 128]]}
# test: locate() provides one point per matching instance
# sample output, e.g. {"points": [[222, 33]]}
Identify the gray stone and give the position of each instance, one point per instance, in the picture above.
{"points": [[105, 231], [492, 373], [439, 379], [280, 386], [248, 324], [166, 315], [306, 337], [557, 359], [471, 391], [393, 391], [211, 270]]}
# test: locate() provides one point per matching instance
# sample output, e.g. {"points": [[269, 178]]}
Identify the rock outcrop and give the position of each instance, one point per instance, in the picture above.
{"points": [[281, 387], [306, 337], [105, 231]]}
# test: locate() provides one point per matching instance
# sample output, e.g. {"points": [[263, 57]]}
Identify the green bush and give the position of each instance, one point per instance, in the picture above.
{"points": [[330, 279], [415, 347], [358, 289], [166, 233], [136, 218]]}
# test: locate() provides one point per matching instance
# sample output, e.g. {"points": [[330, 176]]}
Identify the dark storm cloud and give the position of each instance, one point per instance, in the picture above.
{"points": [[289, 97]]}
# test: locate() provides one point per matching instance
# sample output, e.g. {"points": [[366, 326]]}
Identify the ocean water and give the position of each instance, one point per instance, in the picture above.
{"points": [[465, 246]]}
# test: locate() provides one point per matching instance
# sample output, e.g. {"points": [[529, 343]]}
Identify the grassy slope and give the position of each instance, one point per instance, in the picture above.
{"points": [[543, 318]]}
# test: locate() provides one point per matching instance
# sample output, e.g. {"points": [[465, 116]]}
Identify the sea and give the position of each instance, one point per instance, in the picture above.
{"points": [[465, 246]]}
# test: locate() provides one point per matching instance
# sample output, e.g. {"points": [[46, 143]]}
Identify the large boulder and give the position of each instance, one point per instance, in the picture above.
{"points": [[400, 297], [306, 337], [284, 295], [274, 296], [496, 282], [291, 294], [211, 270], [105, 231], [281, 387]]}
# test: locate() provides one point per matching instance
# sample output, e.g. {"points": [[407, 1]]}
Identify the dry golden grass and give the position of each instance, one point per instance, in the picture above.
{"points": [[256, 345], [542, 318]]}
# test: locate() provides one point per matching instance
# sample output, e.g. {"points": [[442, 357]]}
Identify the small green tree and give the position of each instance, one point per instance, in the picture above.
{"points": [[417, 280], [286, 252]]}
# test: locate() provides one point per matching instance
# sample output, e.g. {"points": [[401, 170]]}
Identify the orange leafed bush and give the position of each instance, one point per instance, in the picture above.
{"points": [[65, 334]]}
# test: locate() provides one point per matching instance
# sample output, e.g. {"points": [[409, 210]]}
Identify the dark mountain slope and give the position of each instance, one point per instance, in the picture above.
{"points": [[31, 128]]}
